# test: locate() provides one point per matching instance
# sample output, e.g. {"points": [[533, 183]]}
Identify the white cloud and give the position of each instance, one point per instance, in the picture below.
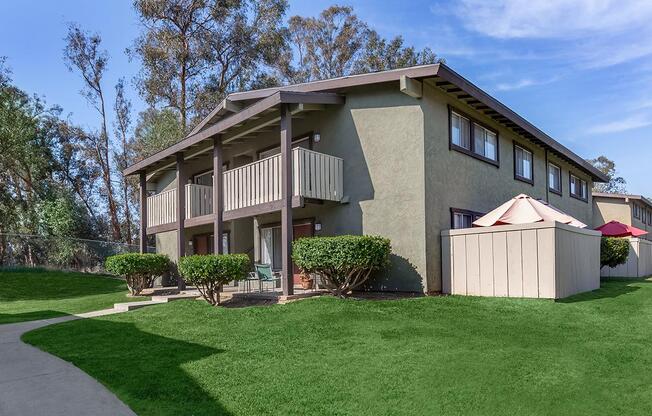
{"points": [[630, 123], [523, 83], [508, 19]]}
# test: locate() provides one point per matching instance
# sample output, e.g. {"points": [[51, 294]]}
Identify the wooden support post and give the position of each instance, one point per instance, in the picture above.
{"points": [[218, 197], [181, 213], [143, 212], [286, 195]]}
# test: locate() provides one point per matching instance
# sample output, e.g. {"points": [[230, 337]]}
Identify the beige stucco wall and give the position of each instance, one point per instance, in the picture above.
{"points": [[457, 180], [607, 209], [543, 260], [611, 209]]}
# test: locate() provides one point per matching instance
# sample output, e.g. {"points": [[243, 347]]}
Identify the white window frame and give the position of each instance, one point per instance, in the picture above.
{"points": [[518, 176], [574, 182], [551, 167], [486, 133], [468, 128]]}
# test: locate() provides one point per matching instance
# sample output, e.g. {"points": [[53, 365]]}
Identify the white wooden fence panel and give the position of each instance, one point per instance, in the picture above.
{"points": [[543, 260], [162, 208], [315, 175], [639, 261]]}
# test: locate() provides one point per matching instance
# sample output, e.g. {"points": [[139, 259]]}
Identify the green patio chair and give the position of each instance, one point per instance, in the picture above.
{"points": [[264, 274]]}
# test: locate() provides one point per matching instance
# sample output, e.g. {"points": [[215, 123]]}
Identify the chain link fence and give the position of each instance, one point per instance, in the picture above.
{"points": [[62, 253]]}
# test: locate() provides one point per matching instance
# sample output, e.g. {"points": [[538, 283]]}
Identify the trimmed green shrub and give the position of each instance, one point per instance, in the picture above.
{"points": [[344, 262], [139, 270], [613, 251], [209, 272]]}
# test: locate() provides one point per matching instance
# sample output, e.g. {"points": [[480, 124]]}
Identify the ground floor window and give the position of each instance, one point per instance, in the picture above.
{"points": [[271, 250], [463, 218]]}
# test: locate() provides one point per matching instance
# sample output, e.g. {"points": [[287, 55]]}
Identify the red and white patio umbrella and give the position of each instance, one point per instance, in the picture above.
{"points": [[523, 209], [618, 229]]}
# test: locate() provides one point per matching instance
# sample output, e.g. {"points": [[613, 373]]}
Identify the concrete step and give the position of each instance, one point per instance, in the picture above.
{"points": [[130, 306], [180, 296]]}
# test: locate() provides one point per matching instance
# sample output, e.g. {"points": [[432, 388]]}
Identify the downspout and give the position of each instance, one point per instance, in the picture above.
{"points": [[547, 178]]}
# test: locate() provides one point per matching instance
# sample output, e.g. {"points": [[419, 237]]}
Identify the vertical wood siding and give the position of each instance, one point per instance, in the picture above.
{"points": [[315, 175], [639, 261], [545, 260]]}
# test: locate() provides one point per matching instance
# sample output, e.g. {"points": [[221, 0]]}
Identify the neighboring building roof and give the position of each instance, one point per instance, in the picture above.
{"points": [[623, 196], [439, 75]]}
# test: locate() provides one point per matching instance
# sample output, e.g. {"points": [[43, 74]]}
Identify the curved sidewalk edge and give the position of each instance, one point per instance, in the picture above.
{"points": [[33, 382]]}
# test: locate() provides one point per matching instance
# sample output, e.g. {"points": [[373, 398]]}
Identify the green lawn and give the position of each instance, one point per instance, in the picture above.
{"points": [[30, 295], [588, 355]]}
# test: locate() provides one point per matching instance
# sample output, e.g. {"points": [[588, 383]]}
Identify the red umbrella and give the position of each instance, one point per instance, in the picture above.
{"points": [[618, 229]]}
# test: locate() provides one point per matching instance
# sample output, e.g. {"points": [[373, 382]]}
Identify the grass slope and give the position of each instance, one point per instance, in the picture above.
{"points": [[30, 295], [442, 355]]}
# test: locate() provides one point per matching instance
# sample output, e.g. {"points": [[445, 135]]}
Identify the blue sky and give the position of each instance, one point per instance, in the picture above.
{"points": [[581, 70]]}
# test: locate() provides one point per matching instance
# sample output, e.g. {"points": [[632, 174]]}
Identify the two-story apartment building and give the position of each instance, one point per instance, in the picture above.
{"points": [[634, 210], [404, 154]]}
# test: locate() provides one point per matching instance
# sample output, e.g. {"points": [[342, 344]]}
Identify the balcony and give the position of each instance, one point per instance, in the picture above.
{"points": [[315, 176]]}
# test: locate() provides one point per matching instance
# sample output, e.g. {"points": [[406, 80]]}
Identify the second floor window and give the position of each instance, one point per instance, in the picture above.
{"points": [[485, 142], [473, 138], [554, 178], [578, 188], [461, 131], [523, 164]]}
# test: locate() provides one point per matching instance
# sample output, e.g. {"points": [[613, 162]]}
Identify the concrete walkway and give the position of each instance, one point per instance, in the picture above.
{"points": [[33, 382]]}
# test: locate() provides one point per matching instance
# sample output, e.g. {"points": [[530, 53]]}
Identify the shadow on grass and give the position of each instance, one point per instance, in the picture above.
{"points": [[20, 286], [144, 370], [611, 288], [12, 318]]}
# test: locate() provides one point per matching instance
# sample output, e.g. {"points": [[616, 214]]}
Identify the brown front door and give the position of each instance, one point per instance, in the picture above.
{"points": [[201, 244], [300, 231]]}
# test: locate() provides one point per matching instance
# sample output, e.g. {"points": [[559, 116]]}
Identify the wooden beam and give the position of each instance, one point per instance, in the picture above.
{"points": [[287, 282], [218, 198], [411, 87], [143, 212], [181, 213]]}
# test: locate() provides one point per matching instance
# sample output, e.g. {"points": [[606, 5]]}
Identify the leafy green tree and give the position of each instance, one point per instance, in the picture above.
{"points": [[194, 51], [322, 47], [616, 184], [337, 43], [155, 130], [380, 54]]}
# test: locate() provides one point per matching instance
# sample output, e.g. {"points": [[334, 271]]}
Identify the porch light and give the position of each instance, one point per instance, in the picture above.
{"points": [[318, 226], [317, 137]]}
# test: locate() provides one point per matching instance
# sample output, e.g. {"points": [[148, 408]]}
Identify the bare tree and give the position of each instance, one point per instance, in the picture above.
{"points": [[122, 108], [83, 54]]}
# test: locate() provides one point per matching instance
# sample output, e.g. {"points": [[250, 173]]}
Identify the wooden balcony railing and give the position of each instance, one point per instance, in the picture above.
{"points": [[315, 175]]}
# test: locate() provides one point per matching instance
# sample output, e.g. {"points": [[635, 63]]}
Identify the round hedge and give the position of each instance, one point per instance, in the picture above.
{"points": [[344, 262], [139, 270], [613, 251], [209, 272]]}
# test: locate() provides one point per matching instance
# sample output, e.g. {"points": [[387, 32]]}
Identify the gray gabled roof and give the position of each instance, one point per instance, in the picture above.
{"points": [[237, 105]]}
